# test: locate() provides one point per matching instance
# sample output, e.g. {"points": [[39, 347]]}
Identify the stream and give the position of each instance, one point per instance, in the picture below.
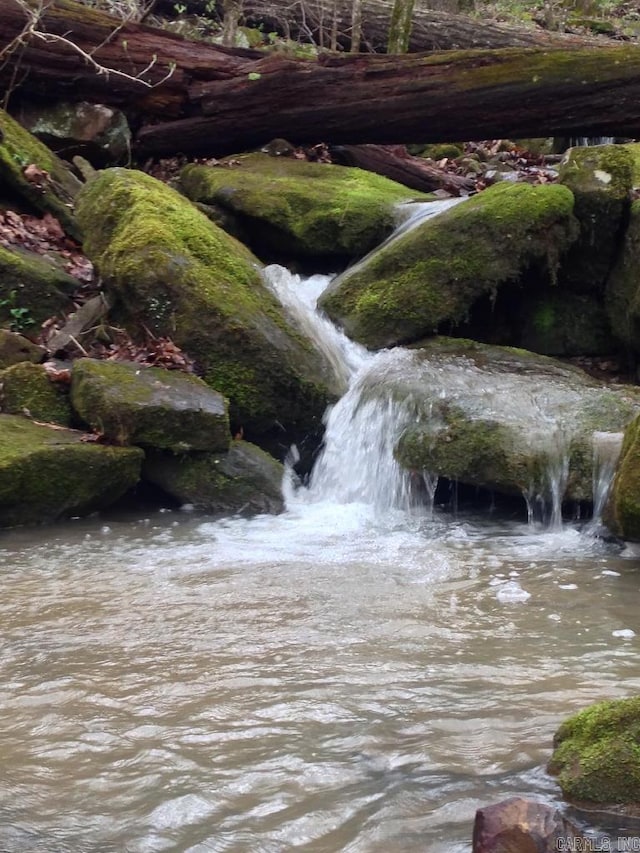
{"points": [[358, 674]]}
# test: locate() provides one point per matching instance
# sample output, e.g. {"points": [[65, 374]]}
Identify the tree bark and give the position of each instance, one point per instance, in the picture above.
{"points": [[313, 20], [218, 101]]}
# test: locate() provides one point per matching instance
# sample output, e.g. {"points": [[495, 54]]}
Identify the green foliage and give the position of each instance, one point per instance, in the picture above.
{"points": [[21, 317]]}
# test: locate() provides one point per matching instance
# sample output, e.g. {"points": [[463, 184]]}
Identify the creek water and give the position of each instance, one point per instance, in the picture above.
{"points": [[357, 674]]}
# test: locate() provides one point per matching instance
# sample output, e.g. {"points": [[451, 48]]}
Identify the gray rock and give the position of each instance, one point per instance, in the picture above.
{"points": [[48, 472], [245, 480], [129, 403]]}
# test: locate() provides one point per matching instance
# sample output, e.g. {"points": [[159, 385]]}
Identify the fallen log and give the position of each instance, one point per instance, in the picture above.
{"points": [[313, 21], [216, 100], [395, 162]]}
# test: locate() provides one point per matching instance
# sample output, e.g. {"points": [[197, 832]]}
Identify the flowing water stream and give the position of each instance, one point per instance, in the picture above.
{"points": [[357, 674]]}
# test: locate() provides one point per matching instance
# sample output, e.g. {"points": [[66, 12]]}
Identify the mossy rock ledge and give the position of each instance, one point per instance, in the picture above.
{"points": [[26, 389], [622, 513], [54, 190], [596, 754], [502, 418], [48, 473], [433, 274], [32, 289], [174, 272], [245, 480], [600, 178], [130, 403], [293, 208]]}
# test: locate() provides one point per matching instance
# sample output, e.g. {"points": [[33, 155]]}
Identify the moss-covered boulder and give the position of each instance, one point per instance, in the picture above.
{"points": [[26, 389], [600, 178], [505, 419], [293, 208], [130, 403], [596, 753], [245, 480], [622, 294], [36, 174], [622, 513], [562, 323], [15, 348], [434, 273], [178, 275], [32, 289], [48, 473]]}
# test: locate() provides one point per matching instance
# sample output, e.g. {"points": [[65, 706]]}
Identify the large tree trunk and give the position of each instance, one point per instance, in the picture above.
{"points": [[227, 100], [312, 20]]}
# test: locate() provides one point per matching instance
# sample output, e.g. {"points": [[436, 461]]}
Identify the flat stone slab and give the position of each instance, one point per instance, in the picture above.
{"points": [[129, 403]]}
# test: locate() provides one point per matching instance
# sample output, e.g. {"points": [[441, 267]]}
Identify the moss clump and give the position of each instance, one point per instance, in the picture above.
{"points": [[133, 404], [31, 289], [246, 479], [439, 151], [178, 275], [27, 389], [622, 514], [53, 194], [48, 473], [434, 273], [298, 208], [600, 178], [597, 753]]}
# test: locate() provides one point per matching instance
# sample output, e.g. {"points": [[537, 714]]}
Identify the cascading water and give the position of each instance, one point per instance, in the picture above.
{"points": [[388, 391]]}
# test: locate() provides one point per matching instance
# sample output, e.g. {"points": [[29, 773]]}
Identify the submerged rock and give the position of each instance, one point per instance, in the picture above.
{"points": [[517, 825], [246, 479], [27, 390], [130, 403], [180, 276], [504, 419], [434, 273], [596, 755], [600, 178], [49, 472], [294, 208], [32, 171]]}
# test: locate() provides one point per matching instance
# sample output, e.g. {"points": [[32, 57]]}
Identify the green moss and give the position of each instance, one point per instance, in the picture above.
{"points": [[622, 514], [298, 207], [597, 753], [442, 150], [179, 275], [246, 479], [15, 349], [600, 178], [133, 404], [26, 388], [33, 286], [48, 473], [435, 272], [18, 149]]}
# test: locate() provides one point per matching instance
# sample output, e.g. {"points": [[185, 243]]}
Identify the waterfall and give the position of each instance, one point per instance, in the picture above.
{"points": [[388, 391], [606, 450]]}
